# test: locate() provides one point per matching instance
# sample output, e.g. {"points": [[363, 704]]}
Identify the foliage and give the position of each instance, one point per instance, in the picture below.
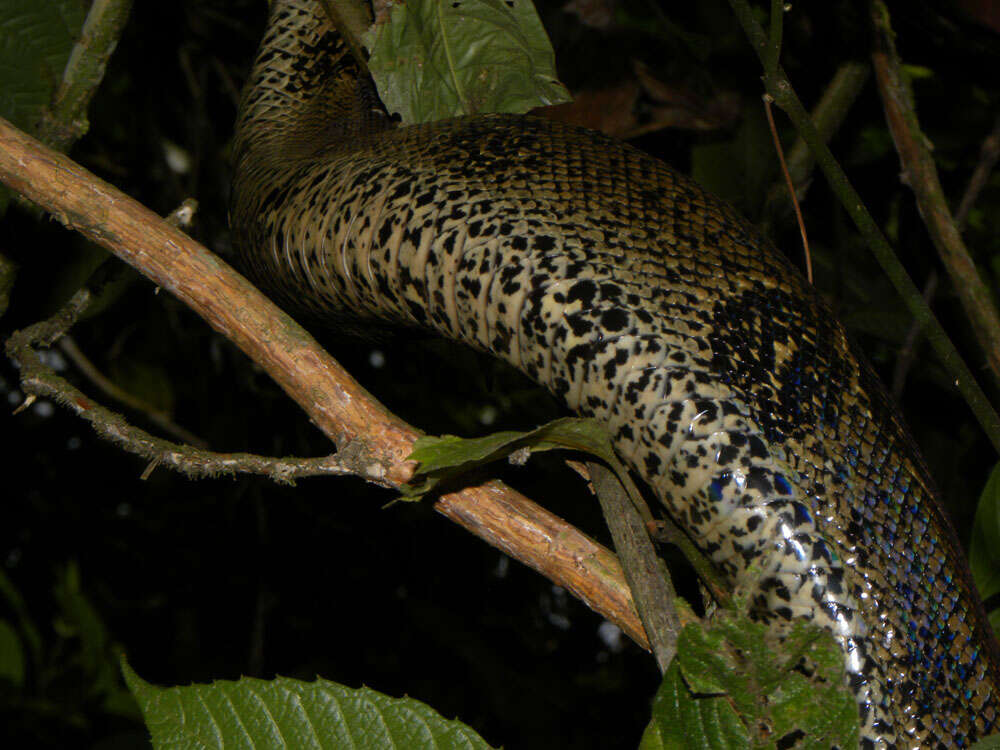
{"points": [[35, 42], [445, 457], [67, 679], [432, 60], [291, 713], [734, 685], [228, 578]]}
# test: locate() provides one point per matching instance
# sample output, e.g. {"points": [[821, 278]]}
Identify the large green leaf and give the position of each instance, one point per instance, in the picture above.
{"points": [[681, 721], [742, 687], [285, 713], [984, 548], [35, 41], [445, 58]]}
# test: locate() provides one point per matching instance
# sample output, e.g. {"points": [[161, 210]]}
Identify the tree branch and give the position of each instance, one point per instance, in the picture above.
{"points": [[779, 87], [645, 571], [920, 173], [366, 433], [989, 153]]}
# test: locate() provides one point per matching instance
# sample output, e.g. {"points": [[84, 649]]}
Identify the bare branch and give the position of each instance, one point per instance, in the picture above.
{"points": [[366, 433]]}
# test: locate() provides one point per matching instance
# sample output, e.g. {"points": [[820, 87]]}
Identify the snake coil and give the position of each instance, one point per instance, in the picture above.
{"points": [[639, 299]]}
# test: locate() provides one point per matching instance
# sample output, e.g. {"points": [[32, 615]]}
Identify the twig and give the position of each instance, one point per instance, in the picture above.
{"points": [[791, 187], [38, 380], [920, 173], [65, 119], [161, 419], [367, 433], [828, 115], [773, 54], [106, 277], [989, 153], [666, 531], [647, 575], [908, 351], [784, 95]]}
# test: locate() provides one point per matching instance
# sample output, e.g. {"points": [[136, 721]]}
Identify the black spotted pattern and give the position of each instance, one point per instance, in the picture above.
{"points": [[640, 300]]}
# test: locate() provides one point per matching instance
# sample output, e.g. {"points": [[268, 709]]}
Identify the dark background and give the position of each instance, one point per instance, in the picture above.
{"points": [[218, 579]]}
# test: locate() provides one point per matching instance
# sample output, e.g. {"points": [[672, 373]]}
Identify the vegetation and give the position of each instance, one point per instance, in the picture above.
{"points": [[104, 554]]}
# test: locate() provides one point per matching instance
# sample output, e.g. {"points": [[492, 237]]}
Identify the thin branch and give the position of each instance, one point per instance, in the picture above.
{"points": [[780, 88], [40, 381], [791, 187], [366, 432], [828, 115], [158, 417], [908, 351], [920, 173], [989, 153], [647, 575], [65, 119], [665, 531], [773, 54], [104, 282]]}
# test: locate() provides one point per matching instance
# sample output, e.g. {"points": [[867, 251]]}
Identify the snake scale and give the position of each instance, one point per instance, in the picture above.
{"points": [[638, 299]]}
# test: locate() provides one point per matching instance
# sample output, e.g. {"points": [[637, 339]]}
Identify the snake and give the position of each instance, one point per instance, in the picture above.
{"points": [[642, 301]]}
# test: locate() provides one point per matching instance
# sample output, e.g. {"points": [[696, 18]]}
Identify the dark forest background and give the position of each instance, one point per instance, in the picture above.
{"points": [[215, 579]]}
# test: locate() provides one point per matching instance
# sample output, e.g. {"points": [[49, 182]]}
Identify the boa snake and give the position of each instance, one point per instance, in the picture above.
{"points": [[638, 299]]}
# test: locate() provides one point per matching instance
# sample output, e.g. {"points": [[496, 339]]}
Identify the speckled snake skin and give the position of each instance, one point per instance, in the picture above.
{"points": [[638, 299]]}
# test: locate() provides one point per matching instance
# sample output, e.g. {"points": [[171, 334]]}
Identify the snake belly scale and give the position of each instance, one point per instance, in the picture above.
{"points": [[638, 299]]}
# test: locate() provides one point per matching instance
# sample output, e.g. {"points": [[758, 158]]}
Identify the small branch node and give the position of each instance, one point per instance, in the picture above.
{"points": [[150, 468], [28, 401]]}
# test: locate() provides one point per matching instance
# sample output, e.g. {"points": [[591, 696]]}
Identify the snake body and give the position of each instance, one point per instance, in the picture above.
{"points": [[638, 299]]}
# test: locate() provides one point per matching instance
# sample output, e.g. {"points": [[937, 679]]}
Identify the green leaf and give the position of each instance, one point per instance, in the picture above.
{"points": [[291, 713], [994, 618], [984, 548], [742, 665], [681, 721], [11, 655], [445, 58], [448, 456], [35, 42], [987, 743]]}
